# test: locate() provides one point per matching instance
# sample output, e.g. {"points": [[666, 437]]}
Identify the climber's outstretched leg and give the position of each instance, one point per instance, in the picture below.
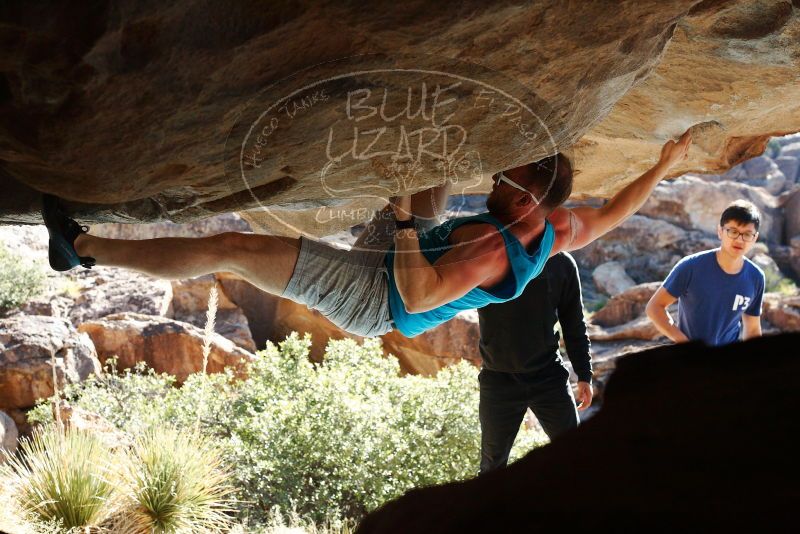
{"points": [[348, 287], [265, 261]]}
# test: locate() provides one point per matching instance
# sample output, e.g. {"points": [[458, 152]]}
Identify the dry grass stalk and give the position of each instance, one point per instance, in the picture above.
{"points": [[208, 333]]}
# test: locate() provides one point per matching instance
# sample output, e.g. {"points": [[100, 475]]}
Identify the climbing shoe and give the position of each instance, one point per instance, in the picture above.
{"points": [[63, 232]]}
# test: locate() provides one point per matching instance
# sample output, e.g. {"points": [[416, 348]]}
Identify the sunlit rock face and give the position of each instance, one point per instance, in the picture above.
{"points": [[177, 111], [687, 435], [730, 72]]}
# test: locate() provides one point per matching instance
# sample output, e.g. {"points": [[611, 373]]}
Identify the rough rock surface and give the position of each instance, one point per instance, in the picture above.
{"points": [[794, 254], [768, 265], [27, 346], [258, 307], [109, 290], [8, 436], [792, 210], [761, 171], [425, 354], [646, 247], [126, 109], [625, 306], [782, 312], [611, 278], [444, 345], [693, 203], [292, 317], [190, 305], [166, 345], [28, 240], [639, 328], [670, 460]]}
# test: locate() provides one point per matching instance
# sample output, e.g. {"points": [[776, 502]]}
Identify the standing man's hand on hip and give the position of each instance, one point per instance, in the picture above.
{"points": [[584, 395]]}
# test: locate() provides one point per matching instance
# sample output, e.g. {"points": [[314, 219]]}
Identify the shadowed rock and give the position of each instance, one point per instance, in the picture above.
{"points": [[689, 438], [142, 113]]}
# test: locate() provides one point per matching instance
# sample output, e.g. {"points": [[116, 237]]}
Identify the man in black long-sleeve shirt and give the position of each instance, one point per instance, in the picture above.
{"points": [[522, 366]]}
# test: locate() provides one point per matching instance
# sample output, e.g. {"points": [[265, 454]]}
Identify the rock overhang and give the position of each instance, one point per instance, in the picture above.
{"points": [[132, 114]]}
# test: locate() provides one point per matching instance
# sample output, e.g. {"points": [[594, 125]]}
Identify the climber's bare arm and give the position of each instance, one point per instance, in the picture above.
{"points": [[577, 227], [430, 203], [752, 326], [657, 312], [424, 286]]}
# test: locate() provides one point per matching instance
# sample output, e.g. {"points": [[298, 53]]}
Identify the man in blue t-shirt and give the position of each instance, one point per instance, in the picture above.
{"points": [[719, 291]]}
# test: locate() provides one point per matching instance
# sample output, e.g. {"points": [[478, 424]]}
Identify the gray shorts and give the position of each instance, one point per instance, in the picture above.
{"points": [[349, 287]]}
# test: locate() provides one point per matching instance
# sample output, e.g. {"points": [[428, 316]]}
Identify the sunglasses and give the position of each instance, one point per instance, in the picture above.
{"points": [[500, 177]]}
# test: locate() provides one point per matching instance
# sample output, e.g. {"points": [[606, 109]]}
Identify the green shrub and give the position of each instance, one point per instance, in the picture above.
{"points": [[777, 283], [20, 279], [61, 478], [173, 482], [68, 481], [331, 440]]}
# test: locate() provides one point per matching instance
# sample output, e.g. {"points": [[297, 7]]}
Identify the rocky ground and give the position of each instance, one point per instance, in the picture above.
{"points": [[88, 316]]}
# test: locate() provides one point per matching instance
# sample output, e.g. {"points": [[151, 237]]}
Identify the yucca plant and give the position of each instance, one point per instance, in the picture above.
{"points": [[174, 482], [61, 477]]}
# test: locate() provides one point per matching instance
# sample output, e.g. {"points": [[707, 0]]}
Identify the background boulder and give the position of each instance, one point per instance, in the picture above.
{"points": [[28, 346], [166, 345]]}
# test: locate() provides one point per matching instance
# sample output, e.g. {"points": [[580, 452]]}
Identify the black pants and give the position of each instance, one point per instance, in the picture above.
{"points": [[504, 397]]}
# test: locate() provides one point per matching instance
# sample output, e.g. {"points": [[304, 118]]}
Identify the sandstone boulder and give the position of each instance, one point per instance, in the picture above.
{"points": [[647, 248], [617, 90], [771, 270], [625, 306], [794, 255], [109, 290], [692, 203], [760, 171], [791, 150], [8, 436], [30, 241], [639, 328], [292, 317], [190, 305], [258, 307], [28, 345], [789, 166], [782, 312], [166, 345], [275, 318], [791, 209], [606, 354], [611, 278], [52, 305], [639, 233], [435, 349], [425, 354]]}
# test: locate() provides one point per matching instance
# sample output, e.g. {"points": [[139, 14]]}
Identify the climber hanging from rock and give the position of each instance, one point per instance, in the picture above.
{"points": [[405, 272]]}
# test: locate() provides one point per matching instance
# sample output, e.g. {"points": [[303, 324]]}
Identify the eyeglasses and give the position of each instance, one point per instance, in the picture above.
{"points": [[500, 177], [734, 234]]}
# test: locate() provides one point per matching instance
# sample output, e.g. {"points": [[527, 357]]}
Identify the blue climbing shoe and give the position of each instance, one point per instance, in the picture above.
{"points": [[63, 232]]}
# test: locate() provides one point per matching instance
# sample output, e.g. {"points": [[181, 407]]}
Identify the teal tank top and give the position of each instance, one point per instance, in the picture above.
{"points": [[434, 243]]}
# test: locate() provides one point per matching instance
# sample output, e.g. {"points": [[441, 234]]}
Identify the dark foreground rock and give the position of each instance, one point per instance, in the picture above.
{"points": [[689, 439]]}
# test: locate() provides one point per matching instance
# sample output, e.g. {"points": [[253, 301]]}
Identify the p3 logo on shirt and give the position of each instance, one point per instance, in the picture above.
{"points": [[742, 301]]}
